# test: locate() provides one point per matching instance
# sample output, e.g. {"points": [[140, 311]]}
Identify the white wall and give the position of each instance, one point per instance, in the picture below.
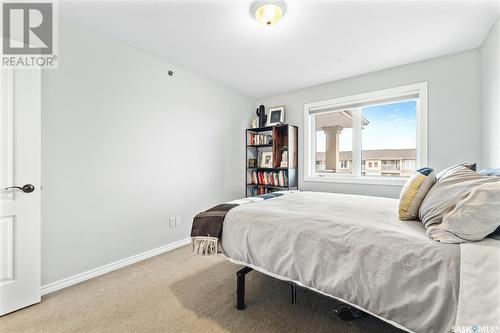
{"points": [[453, 111], [125, 146], [490, 99]]}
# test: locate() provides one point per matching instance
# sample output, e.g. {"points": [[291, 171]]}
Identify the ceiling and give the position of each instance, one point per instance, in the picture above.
{"points": [[316, 42]]}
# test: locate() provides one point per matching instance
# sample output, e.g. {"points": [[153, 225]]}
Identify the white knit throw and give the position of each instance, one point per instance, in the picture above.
{"points": [[205, 245]]}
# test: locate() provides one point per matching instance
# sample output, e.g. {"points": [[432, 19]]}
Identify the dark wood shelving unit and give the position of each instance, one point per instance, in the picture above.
{"points": [[284, 138], [256, 146]]}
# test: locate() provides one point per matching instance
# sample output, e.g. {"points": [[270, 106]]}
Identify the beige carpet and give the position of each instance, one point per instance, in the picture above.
{"points": [[181, 292]]}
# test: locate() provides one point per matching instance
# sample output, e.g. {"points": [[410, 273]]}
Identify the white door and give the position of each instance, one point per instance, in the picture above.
{"points": [[19, 207]]}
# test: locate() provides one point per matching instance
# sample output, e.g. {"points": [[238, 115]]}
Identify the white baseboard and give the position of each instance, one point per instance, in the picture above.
{"points": [[69, 281]]}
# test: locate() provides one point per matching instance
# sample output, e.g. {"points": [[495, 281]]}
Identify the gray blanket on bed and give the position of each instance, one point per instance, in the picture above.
{"points": [[210, 222], [353, 248]]}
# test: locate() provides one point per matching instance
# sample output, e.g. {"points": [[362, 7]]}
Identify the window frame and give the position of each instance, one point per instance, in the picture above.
{"points": [[384, 96]]}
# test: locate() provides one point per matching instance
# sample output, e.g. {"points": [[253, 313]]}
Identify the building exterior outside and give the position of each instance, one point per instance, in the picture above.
{"points": [[380, 162]]}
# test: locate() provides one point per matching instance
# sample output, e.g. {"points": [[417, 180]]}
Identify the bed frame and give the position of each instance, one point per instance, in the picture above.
{"points": [[240, 288], [343, 311]]}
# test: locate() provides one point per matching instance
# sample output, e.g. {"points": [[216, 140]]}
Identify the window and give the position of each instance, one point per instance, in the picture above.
{"points": [[391, 136], [333, 137], [375, 137]]}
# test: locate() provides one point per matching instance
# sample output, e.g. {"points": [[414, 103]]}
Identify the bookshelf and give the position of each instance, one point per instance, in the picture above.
{"points": [[274, 175]]}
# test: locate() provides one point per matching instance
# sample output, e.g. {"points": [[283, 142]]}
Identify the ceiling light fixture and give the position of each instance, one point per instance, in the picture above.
{"points": [[268, 12]]}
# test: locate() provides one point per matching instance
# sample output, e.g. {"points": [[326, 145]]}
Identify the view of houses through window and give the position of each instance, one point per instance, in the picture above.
{"points": [[388, 140]]}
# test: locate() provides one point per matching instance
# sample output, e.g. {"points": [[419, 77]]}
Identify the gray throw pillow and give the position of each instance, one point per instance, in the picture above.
{"points": [[471, 166], [473, 218], [452, 187]]}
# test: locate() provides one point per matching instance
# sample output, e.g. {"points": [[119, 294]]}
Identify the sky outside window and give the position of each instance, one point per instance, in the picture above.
{"points": [[392, 126]]}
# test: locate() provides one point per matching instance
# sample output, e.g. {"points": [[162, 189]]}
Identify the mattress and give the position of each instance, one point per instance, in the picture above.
{"points": [[353, 248]]}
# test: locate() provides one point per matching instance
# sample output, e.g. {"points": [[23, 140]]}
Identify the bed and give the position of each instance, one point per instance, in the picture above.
{"points": [[354, 248]]}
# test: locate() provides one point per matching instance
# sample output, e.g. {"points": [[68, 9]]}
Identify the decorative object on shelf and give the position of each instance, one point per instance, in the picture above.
{"points": [[252, 162], [255, 123], [261, 113], [276, 115], [266, 160], [284, 159]]}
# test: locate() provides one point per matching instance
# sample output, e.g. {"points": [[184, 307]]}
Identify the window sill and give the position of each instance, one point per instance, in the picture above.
{"points": [[364, 180]]}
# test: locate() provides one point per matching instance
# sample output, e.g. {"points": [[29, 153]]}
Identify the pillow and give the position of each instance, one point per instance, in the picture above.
{"points": [[473, 218], [490, 172], [495, 234], [447, 192], [414, 191], [471, 166]]}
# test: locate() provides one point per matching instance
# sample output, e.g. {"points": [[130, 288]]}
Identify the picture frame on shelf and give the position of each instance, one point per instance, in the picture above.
{"points": [[276, 115], [266, 160]]}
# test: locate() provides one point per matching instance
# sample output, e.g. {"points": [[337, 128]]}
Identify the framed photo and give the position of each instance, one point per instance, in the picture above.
{"points": [[276, 115], [266, 160], [252, 162]]}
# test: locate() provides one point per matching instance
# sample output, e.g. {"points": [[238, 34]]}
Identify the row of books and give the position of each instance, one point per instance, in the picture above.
{"points": [[274, 178], [261, 190], [259, 139]]}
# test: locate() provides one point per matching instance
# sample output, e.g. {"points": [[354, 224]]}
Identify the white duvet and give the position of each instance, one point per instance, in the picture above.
{"points": [[355, 249]]}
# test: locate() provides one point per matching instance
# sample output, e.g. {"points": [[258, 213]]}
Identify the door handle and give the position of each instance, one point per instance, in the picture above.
{"points": [[28, 188]]}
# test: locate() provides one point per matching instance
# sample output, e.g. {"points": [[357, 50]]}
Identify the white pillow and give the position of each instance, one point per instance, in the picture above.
{"points": [[473, 218], [445, 172], [447, 192]]}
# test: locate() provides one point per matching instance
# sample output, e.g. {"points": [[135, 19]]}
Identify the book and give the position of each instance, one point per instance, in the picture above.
{"points": [[254, 139], [272, 178]]}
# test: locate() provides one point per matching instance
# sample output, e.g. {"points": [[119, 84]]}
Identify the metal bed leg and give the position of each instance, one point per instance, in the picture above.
{"points": [[240, 287], [294, 293]]}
